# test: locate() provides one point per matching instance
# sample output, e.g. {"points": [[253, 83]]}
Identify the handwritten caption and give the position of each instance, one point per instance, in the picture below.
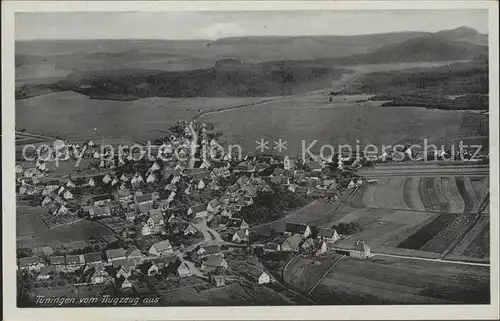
{"points": [[105, 299]]}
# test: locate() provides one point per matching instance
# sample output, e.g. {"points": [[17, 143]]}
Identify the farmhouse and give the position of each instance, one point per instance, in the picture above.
{"points": [[361, 250], [101, 200], [130, 216], [45, 272], [328, 235], [258, 276], [124, 195], [272, 247], [208, 250], [93, 258], [115, 254], [199, 210], [59, 262], [213, 263], [183, 270], [161, 248], [134, 256], [297, 228], [213, 206], [292, 243], [30, 263], [308, 244], [74, 262], [95, 211], [240, 236]]}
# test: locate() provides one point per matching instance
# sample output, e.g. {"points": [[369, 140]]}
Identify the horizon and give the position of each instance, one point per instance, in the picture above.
{"points": [[215, 25], [247, 36]]}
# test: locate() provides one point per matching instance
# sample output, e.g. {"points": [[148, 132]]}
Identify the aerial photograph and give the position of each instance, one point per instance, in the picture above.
{"points": [[252, 158]]}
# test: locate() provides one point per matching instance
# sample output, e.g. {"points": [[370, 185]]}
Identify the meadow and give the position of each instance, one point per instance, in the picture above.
{"points": [[387, 280]]}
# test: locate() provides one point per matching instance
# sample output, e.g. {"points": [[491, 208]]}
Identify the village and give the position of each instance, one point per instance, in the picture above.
{"points": [[179, 220]]}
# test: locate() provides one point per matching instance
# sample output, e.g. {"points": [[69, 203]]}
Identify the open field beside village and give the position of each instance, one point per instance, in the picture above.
{"points": [[387, 280], [422, 216], [316, 213], [234, 294], [33, 232]]}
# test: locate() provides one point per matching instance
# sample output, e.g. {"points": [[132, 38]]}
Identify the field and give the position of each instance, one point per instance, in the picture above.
{"points": [[33, 232], [387, 280], [112, 119], [426, 216], [303, 273], [316, 213], [303, 120], [234, 294]]}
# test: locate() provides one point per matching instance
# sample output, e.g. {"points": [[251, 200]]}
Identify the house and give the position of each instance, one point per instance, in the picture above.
{"points": [[107, 179], [271, 247], [161, 248], [144, 208], [95, 211], [60, 210], [115, 254], [68, 195], [240, 236], [171, 187], [248, 200], [124, 195], [208, 250], [155, 218], [218, 280], [258, 276], [74, 262], [91, 182], [134, 256], [101, 200], [213, 206], [46, 201], [329, 183], [125, 270], [237, 222], [308, 244], [45, 273], [189, 230], [93, 258], [361, 250], [126, 284], [130, 216], [288, 164], [322, 248], [146, 198], [99, 276], [213, 263], [218, 221], [199, 210], [199, 183], [297, 228], [328, 235], [151, 178], [151, 268], [314, 166], [183, 270], [58, 262], [292, 243], [30, 263]]}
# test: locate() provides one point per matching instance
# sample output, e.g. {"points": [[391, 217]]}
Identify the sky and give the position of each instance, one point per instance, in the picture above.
{"points": [[218, 24]]}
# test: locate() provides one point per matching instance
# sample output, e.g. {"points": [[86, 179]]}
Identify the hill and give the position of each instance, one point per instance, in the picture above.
{"points": [[227, 78], [462, 85], [428, 48]]}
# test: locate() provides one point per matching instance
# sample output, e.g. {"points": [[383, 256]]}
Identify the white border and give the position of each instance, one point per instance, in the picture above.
{"points": [[232, 313]]}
